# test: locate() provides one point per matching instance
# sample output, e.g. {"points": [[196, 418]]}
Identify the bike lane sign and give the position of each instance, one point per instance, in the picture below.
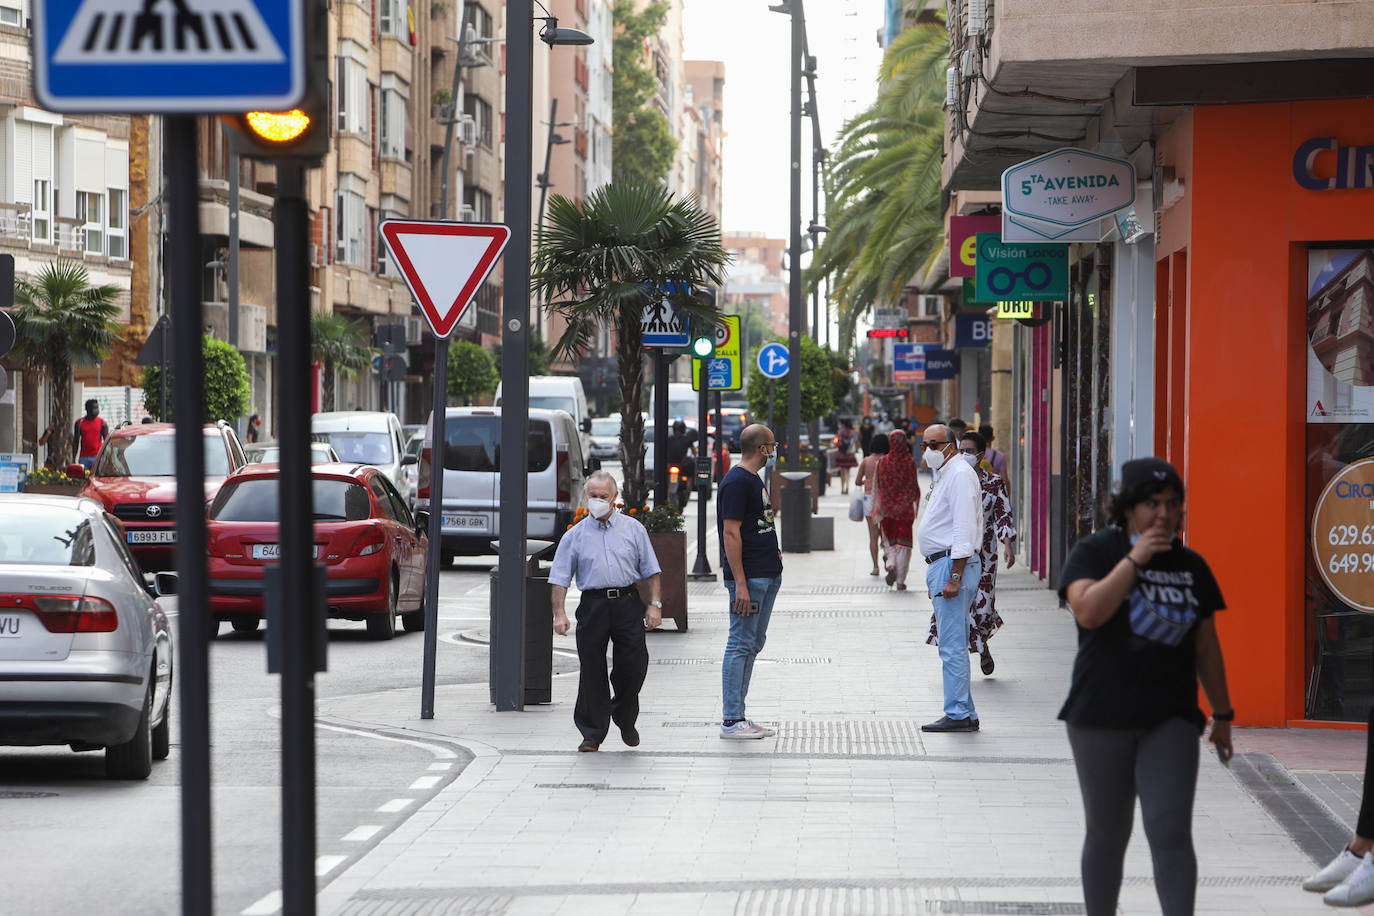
{"points": [[1022, 270]]}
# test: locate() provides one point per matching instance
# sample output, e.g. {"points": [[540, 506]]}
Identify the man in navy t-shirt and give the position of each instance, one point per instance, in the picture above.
{"points": [[753, 572]]}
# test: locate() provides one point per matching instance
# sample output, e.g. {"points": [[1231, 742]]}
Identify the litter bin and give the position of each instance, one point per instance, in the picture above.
{"points": [[796, 512], [538, 679]]}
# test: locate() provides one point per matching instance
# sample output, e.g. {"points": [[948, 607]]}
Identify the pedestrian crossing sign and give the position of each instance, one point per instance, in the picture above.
{"points": [[169, 56]]}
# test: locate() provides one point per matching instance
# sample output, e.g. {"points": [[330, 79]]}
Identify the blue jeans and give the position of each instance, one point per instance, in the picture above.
{"points": [[87, 463], [951, 619], [747, 634]]}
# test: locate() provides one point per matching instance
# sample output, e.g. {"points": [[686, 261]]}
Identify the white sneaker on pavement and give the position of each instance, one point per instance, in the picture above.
{"points": [[741, 729], [1334, 873], [1357, 889], [767, 732]]}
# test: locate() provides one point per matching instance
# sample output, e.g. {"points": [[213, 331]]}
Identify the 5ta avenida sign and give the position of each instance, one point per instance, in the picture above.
{"points": [[1060, 196]]}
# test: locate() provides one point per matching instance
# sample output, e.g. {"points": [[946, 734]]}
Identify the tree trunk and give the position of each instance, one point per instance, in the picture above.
{"points": [[629, 361], [327, 387], [60, 410]]}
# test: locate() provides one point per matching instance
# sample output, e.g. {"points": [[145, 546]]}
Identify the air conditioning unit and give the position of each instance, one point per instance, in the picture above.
{"points": [[415, 329], [470, 36], [977, 17], [966, 63], [467, 128], [252, 328], [467, 214], [952, 87]]}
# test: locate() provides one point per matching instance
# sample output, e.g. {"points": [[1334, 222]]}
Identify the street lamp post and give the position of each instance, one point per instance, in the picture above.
{"points": [[555, 139]]}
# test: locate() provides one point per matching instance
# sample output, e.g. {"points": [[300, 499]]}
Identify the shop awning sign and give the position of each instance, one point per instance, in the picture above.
{"points": [[1062, 195], [1022, 270]]}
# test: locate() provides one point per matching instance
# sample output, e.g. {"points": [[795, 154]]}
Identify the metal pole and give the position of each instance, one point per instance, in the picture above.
{"points": [[509, 638], [701, 569], [796, 301], [662, 492], [453, 116], [544, 185], [233, 266], [193, 676]]}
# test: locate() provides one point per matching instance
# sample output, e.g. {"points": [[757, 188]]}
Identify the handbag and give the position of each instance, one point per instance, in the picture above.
{"points": [[856, 509]]}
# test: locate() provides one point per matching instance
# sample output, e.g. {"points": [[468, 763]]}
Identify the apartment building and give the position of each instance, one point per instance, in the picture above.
{"points": [[755, 277], [705, 103]]}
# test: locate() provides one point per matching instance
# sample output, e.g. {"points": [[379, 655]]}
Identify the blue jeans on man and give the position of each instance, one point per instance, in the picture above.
{"points": [[87, 463], [951, 621], [747, 635]]}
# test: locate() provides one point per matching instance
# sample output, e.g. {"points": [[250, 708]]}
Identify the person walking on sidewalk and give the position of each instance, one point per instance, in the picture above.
{"points": [[609, 553], [1348, 880], [868, 478], [845, 460], [752, 564], [1144, 606], [950, 533], [896, 500], [998, 525]]}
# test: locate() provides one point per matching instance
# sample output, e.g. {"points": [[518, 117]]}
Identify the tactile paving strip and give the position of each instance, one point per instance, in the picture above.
{"points": [[850, 737]]}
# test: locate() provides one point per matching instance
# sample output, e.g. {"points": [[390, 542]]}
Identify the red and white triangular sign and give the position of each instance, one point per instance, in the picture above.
{"points": [[443, 263]]}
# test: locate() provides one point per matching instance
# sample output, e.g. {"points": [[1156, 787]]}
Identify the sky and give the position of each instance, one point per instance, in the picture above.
{"points": [[754, 43]]}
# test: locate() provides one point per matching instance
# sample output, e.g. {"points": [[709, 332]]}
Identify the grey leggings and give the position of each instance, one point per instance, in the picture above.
{"points": [[1160, 765]]}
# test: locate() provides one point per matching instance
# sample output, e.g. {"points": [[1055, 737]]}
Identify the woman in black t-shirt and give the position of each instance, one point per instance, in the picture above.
{"points": [[1146, 638]]}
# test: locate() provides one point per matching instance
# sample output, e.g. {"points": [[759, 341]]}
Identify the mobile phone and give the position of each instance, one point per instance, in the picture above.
{"points": [[1224, 757], [753, 607]]}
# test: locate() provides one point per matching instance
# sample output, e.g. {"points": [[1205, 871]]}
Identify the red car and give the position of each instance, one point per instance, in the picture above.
{"points": [[373, 552], [135, 478]]}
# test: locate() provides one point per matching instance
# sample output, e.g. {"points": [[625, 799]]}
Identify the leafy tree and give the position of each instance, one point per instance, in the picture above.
{"points": [[642, 144], [841, 382], [885, 217], [62, 322], [627, 246], [817, 387], [227, 390], [340, 346], [471, 371]]}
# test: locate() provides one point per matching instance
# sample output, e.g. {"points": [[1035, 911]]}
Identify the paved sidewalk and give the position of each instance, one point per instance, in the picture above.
{"points": [[850, 809]]}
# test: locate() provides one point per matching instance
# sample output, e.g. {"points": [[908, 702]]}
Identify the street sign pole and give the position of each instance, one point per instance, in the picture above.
{"points": [[438, 444], [702, 568], [662, 492]]}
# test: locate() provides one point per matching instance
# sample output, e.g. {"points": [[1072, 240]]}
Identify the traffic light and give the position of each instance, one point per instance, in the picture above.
{"points": [[704, 345], [302, 132]]}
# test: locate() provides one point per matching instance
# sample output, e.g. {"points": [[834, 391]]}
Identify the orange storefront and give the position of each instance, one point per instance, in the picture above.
{"points": [[1259, 256]]}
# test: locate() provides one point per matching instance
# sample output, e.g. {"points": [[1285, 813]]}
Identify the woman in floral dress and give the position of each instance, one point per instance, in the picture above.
{"points": [[998, 525]]}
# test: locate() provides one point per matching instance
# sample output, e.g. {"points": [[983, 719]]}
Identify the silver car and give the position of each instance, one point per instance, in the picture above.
{"points": [[85, 652]]}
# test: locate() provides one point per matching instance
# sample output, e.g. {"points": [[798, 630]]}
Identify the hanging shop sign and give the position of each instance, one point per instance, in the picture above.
{"points": [[972, 331], [908, 363], [941, 364], [1062, 195], [1343, 535], [963, 241], [1021, 270], [1020, 308], [1354, 165]]}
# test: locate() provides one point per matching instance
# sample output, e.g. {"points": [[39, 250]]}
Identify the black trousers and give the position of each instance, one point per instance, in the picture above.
{"points": [[619, 621]]}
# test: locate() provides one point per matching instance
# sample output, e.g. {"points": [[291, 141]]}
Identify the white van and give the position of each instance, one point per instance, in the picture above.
{"points": [[472, 477], [561, 392], [683, 404], [367, 437]]}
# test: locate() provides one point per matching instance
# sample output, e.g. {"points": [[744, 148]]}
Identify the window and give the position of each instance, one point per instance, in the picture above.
{"points": [[354, 93], [90, 208], [11, 13], [477, 109], [42, 210], [393, 123], [118, 225], [479, 20], [350, 226], [394, 18], [480, 202]]}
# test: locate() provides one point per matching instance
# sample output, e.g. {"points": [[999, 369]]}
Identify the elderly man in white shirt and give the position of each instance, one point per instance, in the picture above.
{"points": [[949, 535]]}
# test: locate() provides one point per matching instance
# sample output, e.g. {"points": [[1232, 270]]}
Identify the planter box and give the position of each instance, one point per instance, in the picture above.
{"points": [[671, 549], [775, 492], [55, 489]]}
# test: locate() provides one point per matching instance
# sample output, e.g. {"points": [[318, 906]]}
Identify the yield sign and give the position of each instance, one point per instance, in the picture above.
{"points": [[444, 264]]}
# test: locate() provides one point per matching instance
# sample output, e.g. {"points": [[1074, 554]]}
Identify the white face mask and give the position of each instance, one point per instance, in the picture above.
{"points": [[934, 458], [971, 459], [599, 508]]}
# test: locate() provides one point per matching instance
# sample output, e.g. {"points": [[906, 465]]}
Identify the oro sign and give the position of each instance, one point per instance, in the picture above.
{"points": [[1343, 535]]}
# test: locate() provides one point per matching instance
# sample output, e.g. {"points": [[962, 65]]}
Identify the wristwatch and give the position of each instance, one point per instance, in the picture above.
{"points": [[657, 604], [956, 576]]}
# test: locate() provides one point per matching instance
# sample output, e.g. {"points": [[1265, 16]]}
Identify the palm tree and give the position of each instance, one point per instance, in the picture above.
{"points": [[62, 322], [626, 246], [340, 346], [885, 215]]}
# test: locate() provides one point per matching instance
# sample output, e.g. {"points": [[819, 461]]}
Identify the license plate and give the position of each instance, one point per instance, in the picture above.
{"points": [[465, 521], [152, 537], [9, 626], [273, 551]]}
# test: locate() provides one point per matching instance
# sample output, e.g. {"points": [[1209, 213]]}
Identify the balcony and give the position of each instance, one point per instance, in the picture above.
{"points": [[396, 178]]}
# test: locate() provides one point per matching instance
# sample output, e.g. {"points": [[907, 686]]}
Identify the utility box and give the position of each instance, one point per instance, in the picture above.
{"points": [[822, 532]]}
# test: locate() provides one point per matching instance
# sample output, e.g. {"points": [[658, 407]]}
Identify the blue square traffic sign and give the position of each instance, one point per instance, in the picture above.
{"points": [[169, 56]]}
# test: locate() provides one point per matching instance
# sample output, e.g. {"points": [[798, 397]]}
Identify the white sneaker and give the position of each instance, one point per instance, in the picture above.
{"points": [[1334, 873], [1357, 889], [767, 732], [741, 729]]}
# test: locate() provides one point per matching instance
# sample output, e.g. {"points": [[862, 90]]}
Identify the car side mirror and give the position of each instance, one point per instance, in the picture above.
{"points": [[408, 460], [421, 522], [76, 469], [164, 584], [586, 425], [593, 464]]}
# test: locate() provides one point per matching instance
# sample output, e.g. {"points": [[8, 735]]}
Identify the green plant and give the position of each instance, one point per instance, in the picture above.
{"points": [[441, 96], [807, 462], [471, 371], [61, 322], [227, 389], [339, 346], [53, 476], [642, 144], [661, 519], [817, 387]]}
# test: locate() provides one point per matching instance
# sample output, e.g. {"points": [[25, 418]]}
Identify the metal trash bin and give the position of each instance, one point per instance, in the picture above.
{"points": [[796, 512], [538, 674]]}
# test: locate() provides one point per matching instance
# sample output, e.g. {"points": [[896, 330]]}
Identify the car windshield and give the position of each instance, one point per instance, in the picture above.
{"points": [[364, 448], [319, 454], [46, 536], [605, 426], [256, 501], [548, 403], [474, 444], [684, 408], [155, 456]]}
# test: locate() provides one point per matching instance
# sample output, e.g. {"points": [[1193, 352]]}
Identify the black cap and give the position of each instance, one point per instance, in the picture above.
{"points": [[1142, 472]]}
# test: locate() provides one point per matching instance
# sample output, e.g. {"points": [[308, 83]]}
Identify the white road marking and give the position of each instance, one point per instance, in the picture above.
{"points": [[396, 805], [437, 750], [362, 834], [269, 904], [441, 766], [325, 864], [424, 783]]}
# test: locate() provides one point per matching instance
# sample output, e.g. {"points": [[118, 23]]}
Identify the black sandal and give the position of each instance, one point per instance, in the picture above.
{"points": [[988, 664]]}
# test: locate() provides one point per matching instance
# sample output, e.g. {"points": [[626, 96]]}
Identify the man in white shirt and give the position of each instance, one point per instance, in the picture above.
{"points": [[949, 535]]}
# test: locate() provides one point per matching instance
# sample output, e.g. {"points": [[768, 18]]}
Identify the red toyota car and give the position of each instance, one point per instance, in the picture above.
{"points": [[135, 478], [372, 547]]}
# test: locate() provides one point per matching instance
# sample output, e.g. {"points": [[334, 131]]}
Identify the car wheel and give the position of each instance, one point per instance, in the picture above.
{"points": [[383, 625], [445, 559], [162, 732], [134, 758], [244, 624]]}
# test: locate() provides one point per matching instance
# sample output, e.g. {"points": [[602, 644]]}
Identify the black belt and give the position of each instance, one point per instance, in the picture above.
{"points": [[936, 556], [625, 591]]}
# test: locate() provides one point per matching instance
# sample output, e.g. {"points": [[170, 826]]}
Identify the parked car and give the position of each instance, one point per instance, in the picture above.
{"points": [[410, 472], [732, 421], [86, 659], [605, 437], [270, 453], [560, 392], [367, 437], [134, 478], [472, 471], [372, 547]]}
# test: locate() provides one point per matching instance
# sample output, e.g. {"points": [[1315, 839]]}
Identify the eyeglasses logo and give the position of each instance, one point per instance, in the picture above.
{"points": [[1037, 276]]}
